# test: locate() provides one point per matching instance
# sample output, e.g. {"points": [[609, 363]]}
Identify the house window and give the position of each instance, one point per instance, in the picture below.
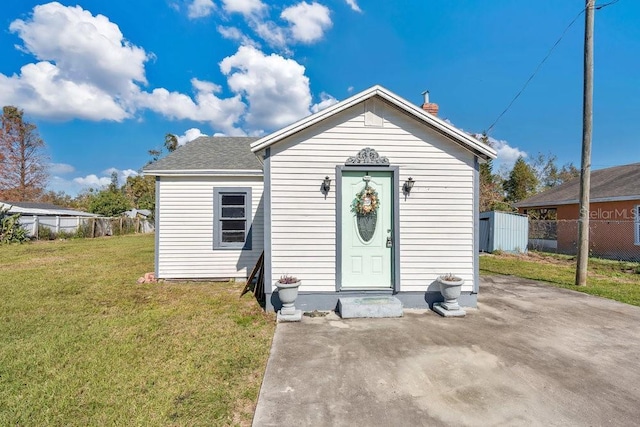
{"points": [[232, 218], [637, 224]]}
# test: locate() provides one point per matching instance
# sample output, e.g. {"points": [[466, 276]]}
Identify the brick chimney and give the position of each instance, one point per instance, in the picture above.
{"points": [[429, 107]]}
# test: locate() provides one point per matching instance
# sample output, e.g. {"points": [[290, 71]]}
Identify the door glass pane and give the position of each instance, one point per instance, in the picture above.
{"points": [[232, 212], [233, 225], [233, 199], [233, 236]]}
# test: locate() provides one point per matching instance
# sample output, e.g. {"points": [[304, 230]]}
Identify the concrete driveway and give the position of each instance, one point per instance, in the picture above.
{"points": [[530, 354]]}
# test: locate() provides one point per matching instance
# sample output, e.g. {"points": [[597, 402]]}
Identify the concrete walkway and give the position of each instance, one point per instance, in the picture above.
{"points": [[530, 355]]}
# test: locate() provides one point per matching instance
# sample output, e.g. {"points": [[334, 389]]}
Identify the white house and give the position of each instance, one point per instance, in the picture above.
{"points": [[218, 207]]}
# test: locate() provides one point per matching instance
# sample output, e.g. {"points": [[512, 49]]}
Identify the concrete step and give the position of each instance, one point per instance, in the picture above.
{"points": [[373, 306]]}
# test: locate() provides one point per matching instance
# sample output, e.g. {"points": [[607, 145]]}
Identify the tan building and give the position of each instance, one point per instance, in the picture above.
{"points": [[614, 212]]}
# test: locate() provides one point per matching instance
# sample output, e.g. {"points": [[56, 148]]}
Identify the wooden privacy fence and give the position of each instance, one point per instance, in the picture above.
{"points": [[46, 227]]}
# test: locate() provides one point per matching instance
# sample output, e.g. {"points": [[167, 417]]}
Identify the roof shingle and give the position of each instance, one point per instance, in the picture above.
{"points": [[618, 182], [209, 154]]}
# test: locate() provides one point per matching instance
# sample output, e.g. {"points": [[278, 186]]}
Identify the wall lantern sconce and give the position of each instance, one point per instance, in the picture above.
{"points": [[326, 184], [408, 185]]}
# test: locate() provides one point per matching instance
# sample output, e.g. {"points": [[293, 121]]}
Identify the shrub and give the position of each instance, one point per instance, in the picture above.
{"points": [[45, 233], [10, 229]]}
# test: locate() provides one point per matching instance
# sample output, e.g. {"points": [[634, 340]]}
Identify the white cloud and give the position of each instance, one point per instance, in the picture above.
{"points": [[354, 5], [95, 181], [123, 174], [86, 69], [92, 180], [233, 33], [189, 136], [221, 113], [244, 7], [274, 35], [275, 88], [506, 153], [200, 8], [85, 66], [41, 90], [74, 186], [350, 89], [86, 48], [308, 21], [326, 100], [60, 168]]}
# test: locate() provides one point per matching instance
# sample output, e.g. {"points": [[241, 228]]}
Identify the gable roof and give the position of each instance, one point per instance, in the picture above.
{"points": [[456, 135], [607, 185], [34, 208], [209, 155]]}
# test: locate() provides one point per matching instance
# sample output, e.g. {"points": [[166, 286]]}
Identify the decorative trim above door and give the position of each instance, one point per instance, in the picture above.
{"points": [[367, 157]]}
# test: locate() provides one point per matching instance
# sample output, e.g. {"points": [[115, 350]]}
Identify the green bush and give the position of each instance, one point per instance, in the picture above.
{"points": [[84, 230], [10, 229], [45, 233]]}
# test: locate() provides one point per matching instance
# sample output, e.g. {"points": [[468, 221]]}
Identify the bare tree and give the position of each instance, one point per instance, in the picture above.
{"points": [[23, 163]]}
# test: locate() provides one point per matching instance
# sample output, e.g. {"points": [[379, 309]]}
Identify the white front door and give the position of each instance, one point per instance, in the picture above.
{"points": [[366, 238]]}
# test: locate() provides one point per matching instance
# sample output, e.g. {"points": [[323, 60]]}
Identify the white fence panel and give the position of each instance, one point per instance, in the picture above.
{"points": [[94, 226]]}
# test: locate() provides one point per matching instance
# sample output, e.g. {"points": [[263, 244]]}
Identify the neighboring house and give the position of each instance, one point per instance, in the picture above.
{"points": [[218, 207], [56, 218], [42, 209], [614, 212]]}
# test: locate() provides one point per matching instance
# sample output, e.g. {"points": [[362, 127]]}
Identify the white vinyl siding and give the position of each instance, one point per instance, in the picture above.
{"points": [[185, 228], [436, 219]]}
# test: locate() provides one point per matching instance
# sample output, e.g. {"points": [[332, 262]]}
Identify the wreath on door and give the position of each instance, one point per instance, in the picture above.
{"points": [[365, 206], [366, 202]]}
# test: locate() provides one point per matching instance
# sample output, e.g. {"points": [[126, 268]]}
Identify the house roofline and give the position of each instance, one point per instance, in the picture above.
{"points": [[478, 148], [202, 172], [576, 201]]}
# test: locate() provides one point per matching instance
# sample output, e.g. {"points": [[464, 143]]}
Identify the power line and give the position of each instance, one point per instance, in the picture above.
{"points": [[602, 6], [598, 7], [539, 66]]}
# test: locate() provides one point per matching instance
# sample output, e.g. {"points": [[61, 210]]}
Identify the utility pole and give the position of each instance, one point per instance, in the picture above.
{"points": [[585, 166]]}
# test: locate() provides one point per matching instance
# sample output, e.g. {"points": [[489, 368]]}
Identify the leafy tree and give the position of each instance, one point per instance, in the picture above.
{"points": [[141, 191], [548, 173], [491, 194], [566, 173], [170, 142], [59, 198], [522, 181], [108, 203], [23, 172]]}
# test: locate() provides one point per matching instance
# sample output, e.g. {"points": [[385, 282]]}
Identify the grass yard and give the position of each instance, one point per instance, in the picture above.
{"points": [[81, 343], [615, 280]]}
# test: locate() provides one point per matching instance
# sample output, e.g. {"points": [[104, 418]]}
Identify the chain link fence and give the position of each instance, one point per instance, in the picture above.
{"points": [[610, 239]]}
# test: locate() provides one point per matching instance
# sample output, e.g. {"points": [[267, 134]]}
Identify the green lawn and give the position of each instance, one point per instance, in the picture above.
{"points": [[81, 343], [616, 280]]}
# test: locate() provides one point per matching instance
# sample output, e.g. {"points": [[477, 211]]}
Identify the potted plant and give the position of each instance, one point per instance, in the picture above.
{"points": [[450, 287], [288, 292]]}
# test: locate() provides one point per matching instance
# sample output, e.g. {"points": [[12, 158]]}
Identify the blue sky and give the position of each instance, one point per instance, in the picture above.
{"points": [[104, 81]]}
